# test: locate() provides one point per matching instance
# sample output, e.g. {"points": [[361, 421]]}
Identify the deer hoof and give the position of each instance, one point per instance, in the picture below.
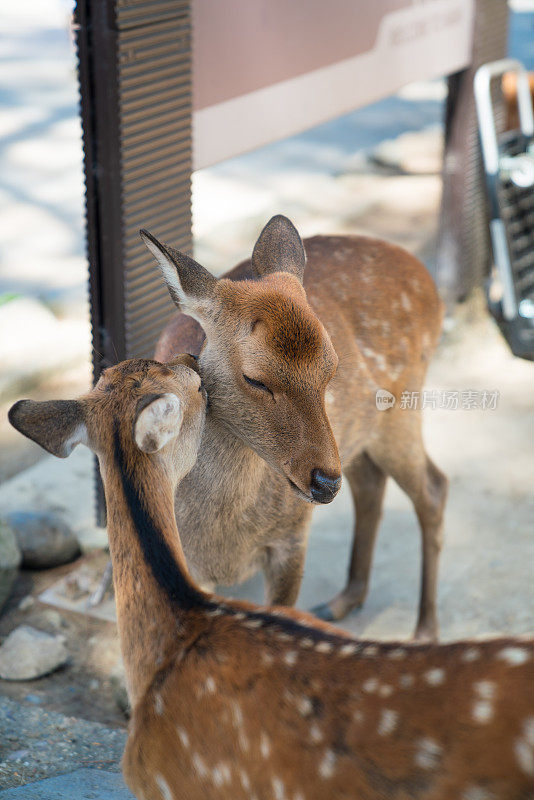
{"points": [[324, 612]]}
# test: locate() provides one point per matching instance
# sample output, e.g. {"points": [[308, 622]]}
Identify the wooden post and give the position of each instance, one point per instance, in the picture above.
{"points": [[135, 86]]}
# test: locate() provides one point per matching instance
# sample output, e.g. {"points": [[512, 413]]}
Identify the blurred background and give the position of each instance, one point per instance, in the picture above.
{"points": [[376, 169]]}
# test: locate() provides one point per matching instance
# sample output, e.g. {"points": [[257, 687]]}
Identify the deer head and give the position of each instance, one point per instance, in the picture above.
{"points": [[163, 404], [267, 358]]}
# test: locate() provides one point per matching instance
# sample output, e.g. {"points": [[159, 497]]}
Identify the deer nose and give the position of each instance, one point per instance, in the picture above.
{"points": [[324, 487]]}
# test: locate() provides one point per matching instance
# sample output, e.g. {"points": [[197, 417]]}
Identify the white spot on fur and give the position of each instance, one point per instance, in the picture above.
{"points": [[428, 754], [485, 689], [524, 756], [324, 647], [326, 767], [267, 657], [184, 738], [435, 677], [348, 649], [304, 706], [164, 788], [316, 735], [245, 780], [278, 789], [398, 654], [158, 704], [290, 658], [284, 637], [358, 716], [237, 714], [370, 685], [524, 748], [471, 654], [477, 793], [221, 774], [388, 721], [209, 685], [482, 711], [515, 656], [253, 623], [378, 358], [199, 765], [370, 651], [265, 745], [528, 728], [406, 680], [306, 642], [406, 302], [385, 690]]}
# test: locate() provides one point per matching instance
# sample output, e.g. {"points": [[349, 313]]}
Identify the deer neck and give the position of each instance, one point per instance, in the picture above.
{"points": [[153, 590]]}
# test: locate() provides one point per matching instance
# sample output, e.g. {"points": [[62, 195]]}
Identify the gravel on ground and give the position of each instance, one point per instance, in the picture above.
{"points": [[36, 744]]}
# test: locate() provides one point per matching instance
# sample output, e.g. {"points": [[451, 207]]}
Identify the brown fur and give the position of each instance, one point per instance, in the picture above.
{"points": [[367, 303], [236, 702]]}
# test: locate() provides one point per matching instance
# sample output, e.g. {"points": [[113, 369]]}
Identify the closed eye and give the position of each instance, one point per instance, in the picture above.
{"points": [[257, 384]]}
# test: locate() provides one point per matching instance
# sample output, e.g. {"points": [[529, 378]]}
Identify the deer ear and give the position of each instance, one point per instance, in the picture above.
{"points": [[57, 425], [158, 420], [279, 249], [189, 284]]}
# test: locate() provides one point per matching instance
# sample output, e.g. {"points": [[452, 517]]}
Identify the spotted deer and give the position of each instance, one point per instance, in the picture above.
{"points": [[292, 354], [233, 701]]}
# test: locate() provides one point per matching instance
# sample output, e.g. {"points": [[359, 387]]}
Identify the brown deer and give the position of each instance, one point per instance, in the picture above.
{"points": [[289, 352], [231, 701]]}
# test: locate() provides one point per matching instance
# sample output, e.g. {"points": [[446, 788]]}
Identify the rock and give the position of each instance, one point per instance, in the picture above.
{"points": [[28, 653], [92, 538], [44, 539], [10, 558], [17, 755], [53, 618], [26, 603]]}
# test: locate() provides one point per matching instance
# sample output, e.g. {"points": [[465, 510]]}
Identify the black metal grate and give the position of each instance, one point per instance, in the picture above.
{"points": [[516, 206], [134, 62]]}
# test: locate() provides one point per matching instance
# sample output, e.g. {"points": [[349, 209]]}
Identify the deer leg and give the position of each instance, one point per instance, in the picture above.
{"points": [[283, 572], [430, 514], [367, 483], [426, 486]]}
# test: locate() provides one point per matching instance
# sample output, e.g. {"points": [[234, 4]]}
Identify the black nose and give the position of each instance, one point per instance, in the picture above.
{"points": [[323, 487]]}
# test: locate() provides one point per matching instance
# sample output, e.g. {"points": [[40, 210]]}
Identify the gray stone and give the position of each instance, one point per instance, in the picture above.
{"points": [[28, 653], [84, 784], [43, 537], [91, 538], [10, 558], [26, 603]]}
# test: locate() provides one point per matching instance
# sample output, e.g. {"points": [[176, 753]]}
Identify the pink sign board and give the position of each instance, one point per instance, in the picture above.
{"points": [[266, 69]]}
